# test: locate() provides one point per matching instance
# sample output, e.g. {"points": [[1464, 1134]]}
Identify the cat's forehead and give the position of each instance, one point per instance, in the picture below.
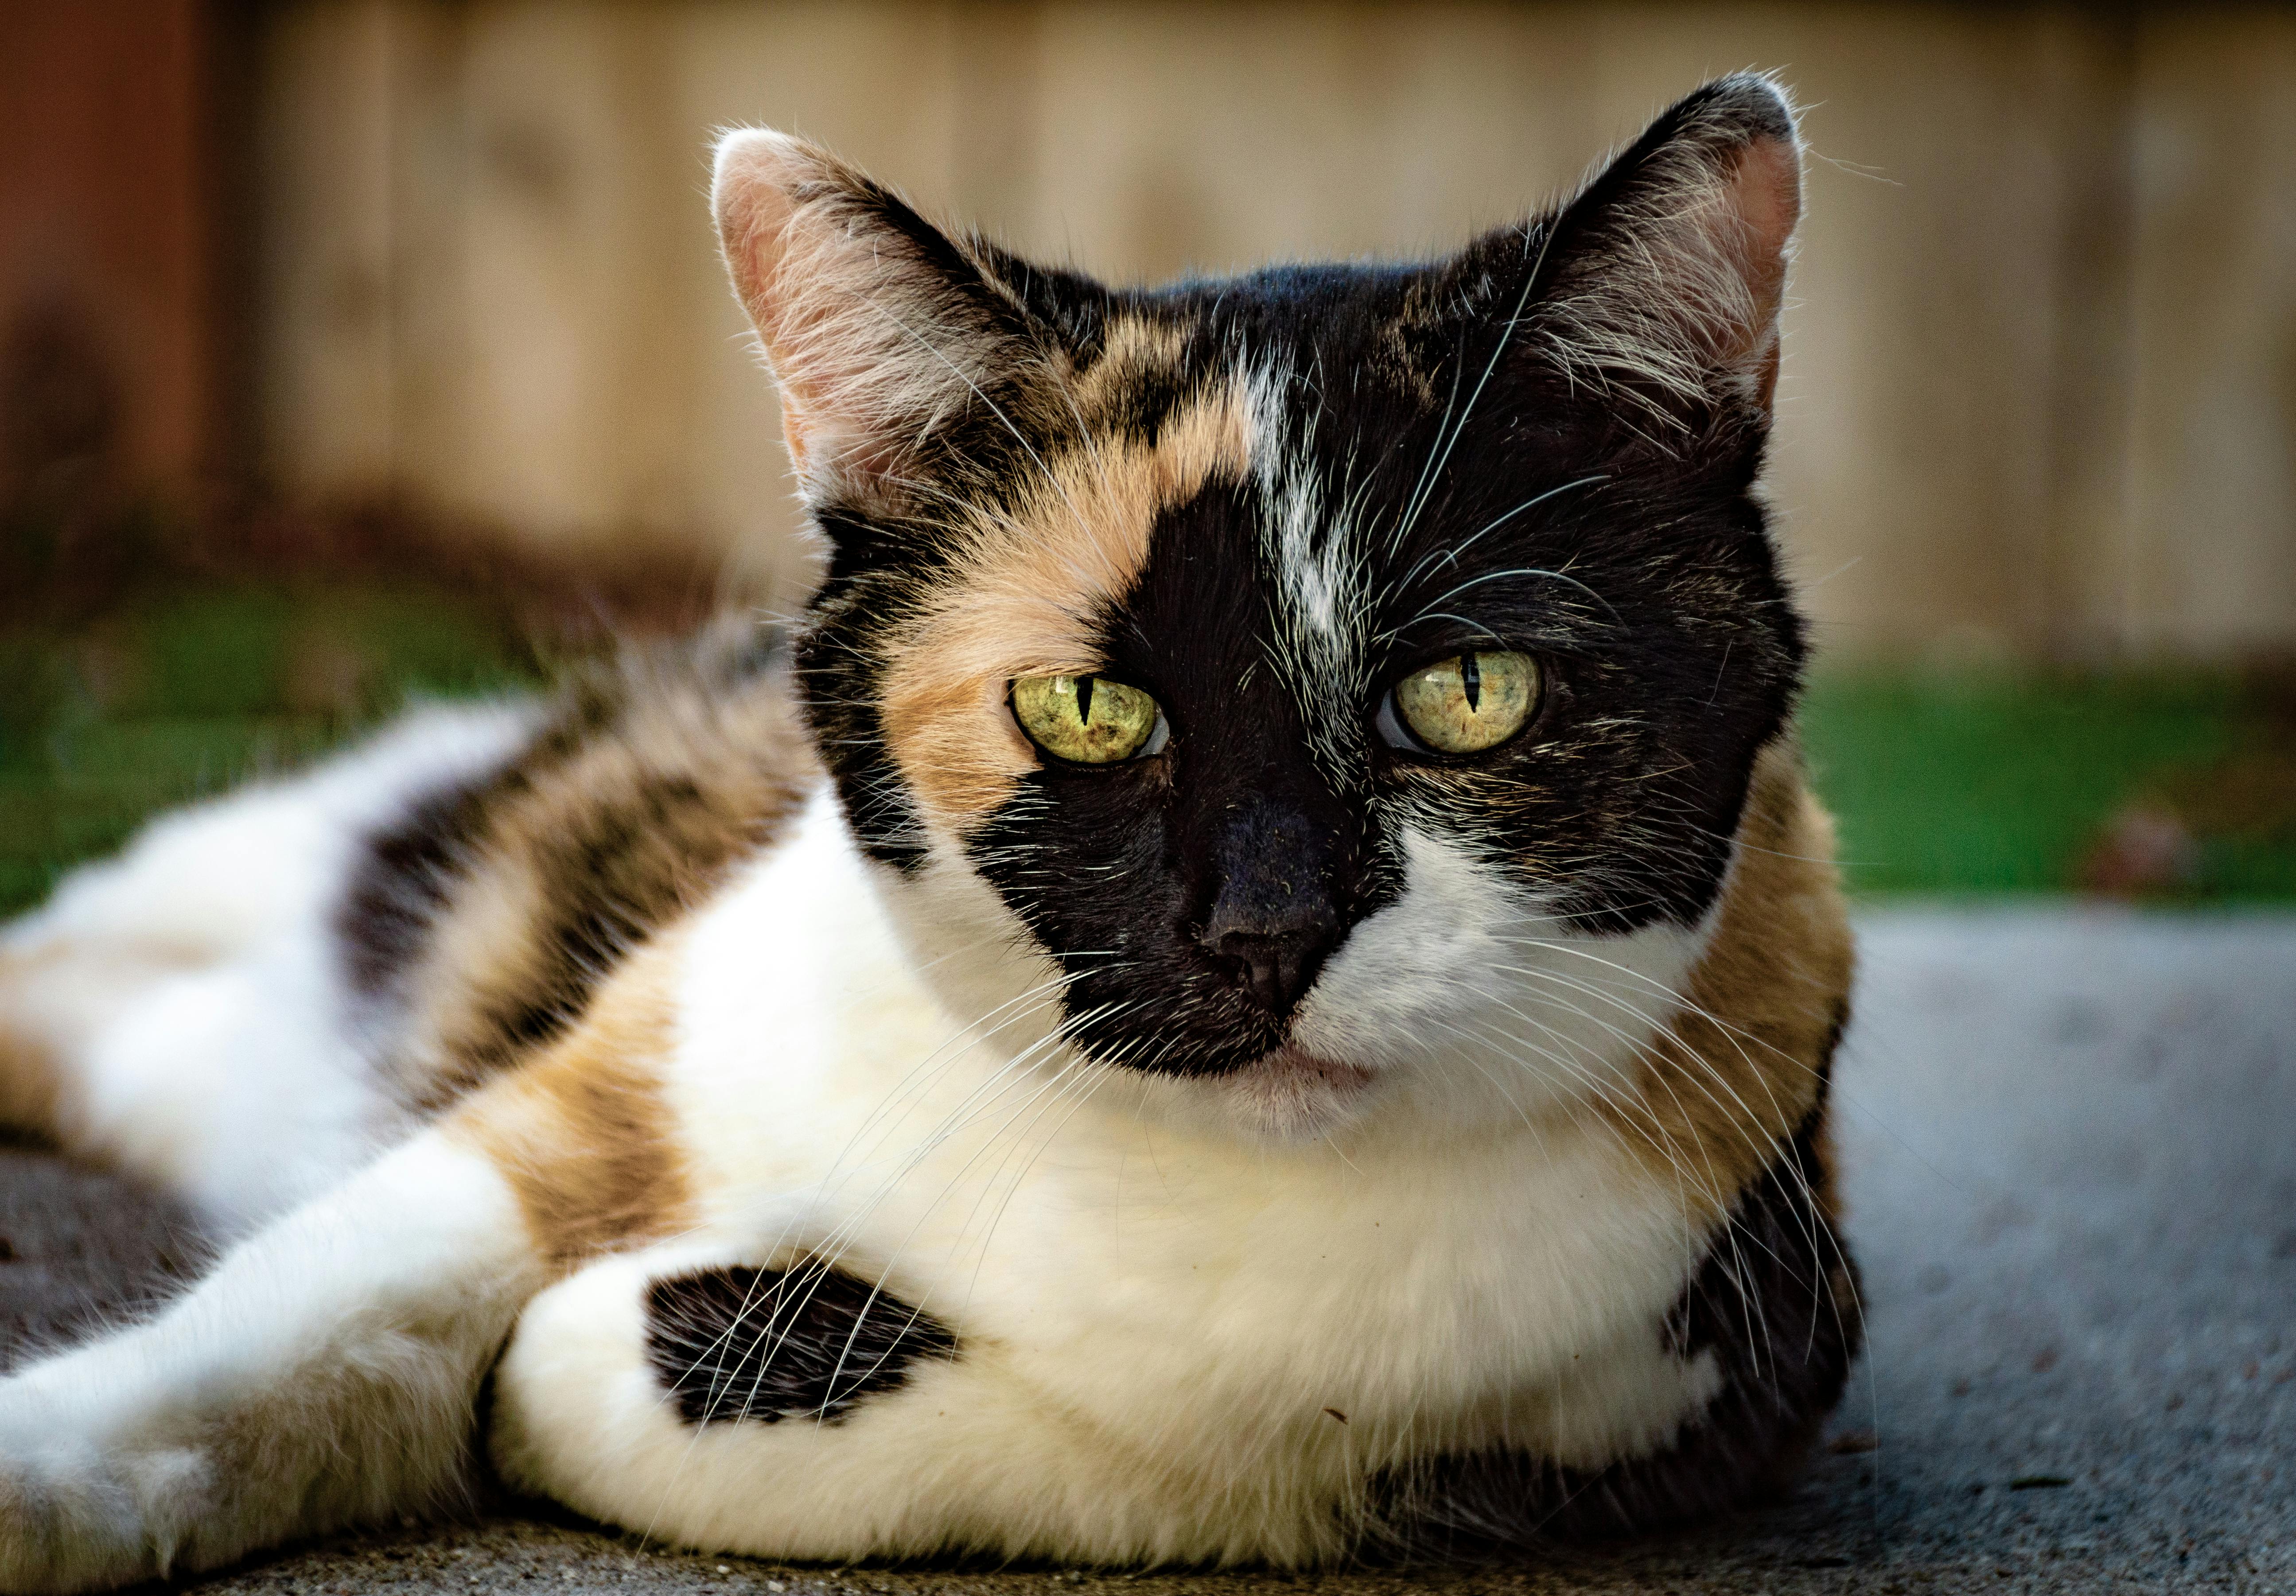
{"points": [[1310, 344], [1297, 431], [1224, 452], [1318, 374]]}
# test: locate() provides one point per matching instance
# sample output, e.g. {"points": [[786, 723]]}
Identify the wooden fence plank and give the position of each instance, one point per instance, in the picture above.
{"points": [[2036, 397]]}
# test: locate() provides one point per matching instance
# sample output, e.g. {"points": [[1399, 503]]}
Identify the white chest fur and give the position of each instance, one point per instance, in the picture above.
{"points": [[1406, 1285]]}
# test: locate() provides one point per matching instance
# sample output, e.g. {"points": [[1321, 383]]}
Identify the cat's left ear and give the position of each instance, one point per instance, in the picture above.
{"points": [[1664, 276], [882, 330]]}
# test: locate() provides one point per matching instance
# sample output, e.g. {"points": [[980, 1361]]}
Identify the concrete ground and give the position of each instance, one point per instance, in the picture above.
{"points": [[2070, 1146]]}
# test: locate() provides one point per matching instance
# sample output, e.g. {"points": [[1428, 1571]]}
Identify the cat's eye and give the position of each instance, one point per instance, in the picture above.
{"points": [[1088, 720], [1464, 704]]}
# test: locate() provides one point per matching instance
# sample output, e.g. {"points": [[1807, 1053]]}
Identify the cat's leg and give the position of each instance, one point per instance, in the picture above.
{"points": [[176, 1011], [787, 1412], [323, 1374], [738, 1400]]}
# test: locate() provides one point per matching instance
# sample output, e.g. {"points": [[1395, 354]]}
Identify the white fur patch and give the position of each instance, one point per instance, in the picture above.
{"points": [[1314, 550], [1464, 997]]}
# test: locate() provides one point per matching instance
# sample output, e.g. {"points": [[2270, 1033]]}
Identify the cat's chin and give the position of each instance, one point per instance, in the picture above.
{"points": [[1290, 1095]]}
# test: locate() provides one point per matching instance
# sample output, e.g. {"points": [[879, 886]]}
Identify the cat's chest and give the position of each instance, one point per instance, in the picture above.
{"points": [[1393, 1282], [830, 1104]]}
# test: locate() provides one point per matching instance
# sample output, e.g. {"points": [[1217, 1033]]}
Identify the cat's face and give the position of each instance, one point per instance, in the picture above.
{"points": [[1289, 680]]}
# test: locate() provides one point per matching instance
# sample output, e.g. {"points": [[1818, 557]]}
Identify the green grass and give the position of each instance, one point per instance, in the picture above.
{"points": [[1987, 781], [190, 695], [1966, 782]]}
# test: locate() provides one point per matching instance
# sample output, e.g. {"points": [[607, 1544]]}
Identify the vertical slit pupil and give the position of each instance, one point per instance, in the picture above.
{"points": [[1471, 680], [1084, 700]]}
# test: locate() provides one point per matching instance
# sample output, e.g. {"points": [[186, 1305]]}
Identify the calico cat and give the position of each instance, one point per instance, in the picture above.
{"points": [[1255, 982]]}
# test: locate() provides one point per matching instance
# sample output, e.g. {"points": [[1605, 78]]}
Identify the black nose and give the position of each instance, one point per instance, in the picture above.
{"points": [[1275, 918], [1276, 968]]}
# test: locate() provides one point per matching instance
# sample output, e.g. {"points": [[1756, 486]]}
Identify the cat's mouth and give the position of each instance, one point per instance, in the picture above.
{"points": [[1292, 1094], [1291, 1061]]}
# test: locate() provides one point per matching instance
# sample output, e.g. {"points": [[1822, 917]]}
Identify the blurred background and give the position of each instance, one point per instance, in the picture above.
{"points": [[350, 349]]}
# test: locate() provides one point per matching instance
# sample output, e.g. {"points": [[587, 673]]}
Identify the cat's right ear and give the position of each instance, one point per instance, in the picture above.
{"points": [[882, 330]]}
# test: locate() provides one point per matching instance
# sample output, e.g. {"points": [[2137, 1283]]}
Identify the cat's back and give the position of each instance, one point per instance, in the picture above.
{"points": [[478, 923]]}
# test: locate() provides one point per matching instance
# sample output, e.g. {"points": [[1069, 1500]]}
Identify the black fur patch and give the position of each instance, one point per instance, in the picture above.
{"points": [[1775, 1302], [770, 1344], [403, 880]]}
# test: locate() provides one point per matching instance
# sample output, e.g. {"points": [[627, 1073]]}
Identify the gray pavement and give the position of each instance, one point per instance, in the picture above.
{"points": [[2068, 1138]]}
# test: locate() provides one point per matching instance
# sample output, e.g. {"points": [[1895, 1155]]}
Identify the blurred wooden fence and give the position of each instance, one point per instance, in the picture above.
{"points": [[2040, 384], [107, 345]]}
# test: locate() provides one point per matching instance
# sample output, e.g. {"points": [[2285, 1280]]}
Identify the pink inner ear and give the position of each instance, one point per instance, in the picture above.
{"points": [[1765, 194], [753, 193]]}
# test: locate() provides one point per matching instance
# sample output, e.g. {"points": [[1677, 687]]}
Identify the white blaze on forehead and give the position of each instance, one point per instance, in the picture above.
{"points": [[1312, 546], [1307, 538], [1294, 510]]}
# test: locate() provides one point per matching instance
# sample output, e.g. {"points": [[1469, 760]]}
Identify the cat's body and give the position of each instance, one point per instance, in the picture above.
{"points": [[1258, 1137]]}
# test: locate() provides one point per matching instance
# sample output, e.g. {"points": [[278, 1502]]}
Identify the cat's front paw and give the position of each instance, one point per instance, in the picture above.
{"points": [[74, 1519]]}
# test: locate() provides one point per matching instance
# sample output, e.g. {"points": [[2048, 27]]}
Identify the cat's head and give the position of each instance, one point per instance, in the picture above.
{"points": [[1289, 683]]}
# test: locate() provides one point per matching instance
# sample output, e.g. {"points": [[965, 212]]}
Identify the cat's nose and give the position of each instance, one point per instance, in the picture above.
{"points": [[1273, 921], [1277, 967]]}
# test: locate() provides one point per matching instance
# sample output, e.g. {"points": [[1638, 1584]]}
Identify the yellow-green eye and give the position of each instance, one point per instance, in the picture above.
{"points": [[1087, 720], [1469, 703]]}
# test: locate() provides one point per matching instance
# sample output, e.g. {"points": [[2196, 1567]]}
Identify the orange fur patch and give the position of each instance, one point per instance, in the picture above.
{"points": [[1131, 349], [1026, 597], [581, 1132], [1737, 1073], [28, 1080]]}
